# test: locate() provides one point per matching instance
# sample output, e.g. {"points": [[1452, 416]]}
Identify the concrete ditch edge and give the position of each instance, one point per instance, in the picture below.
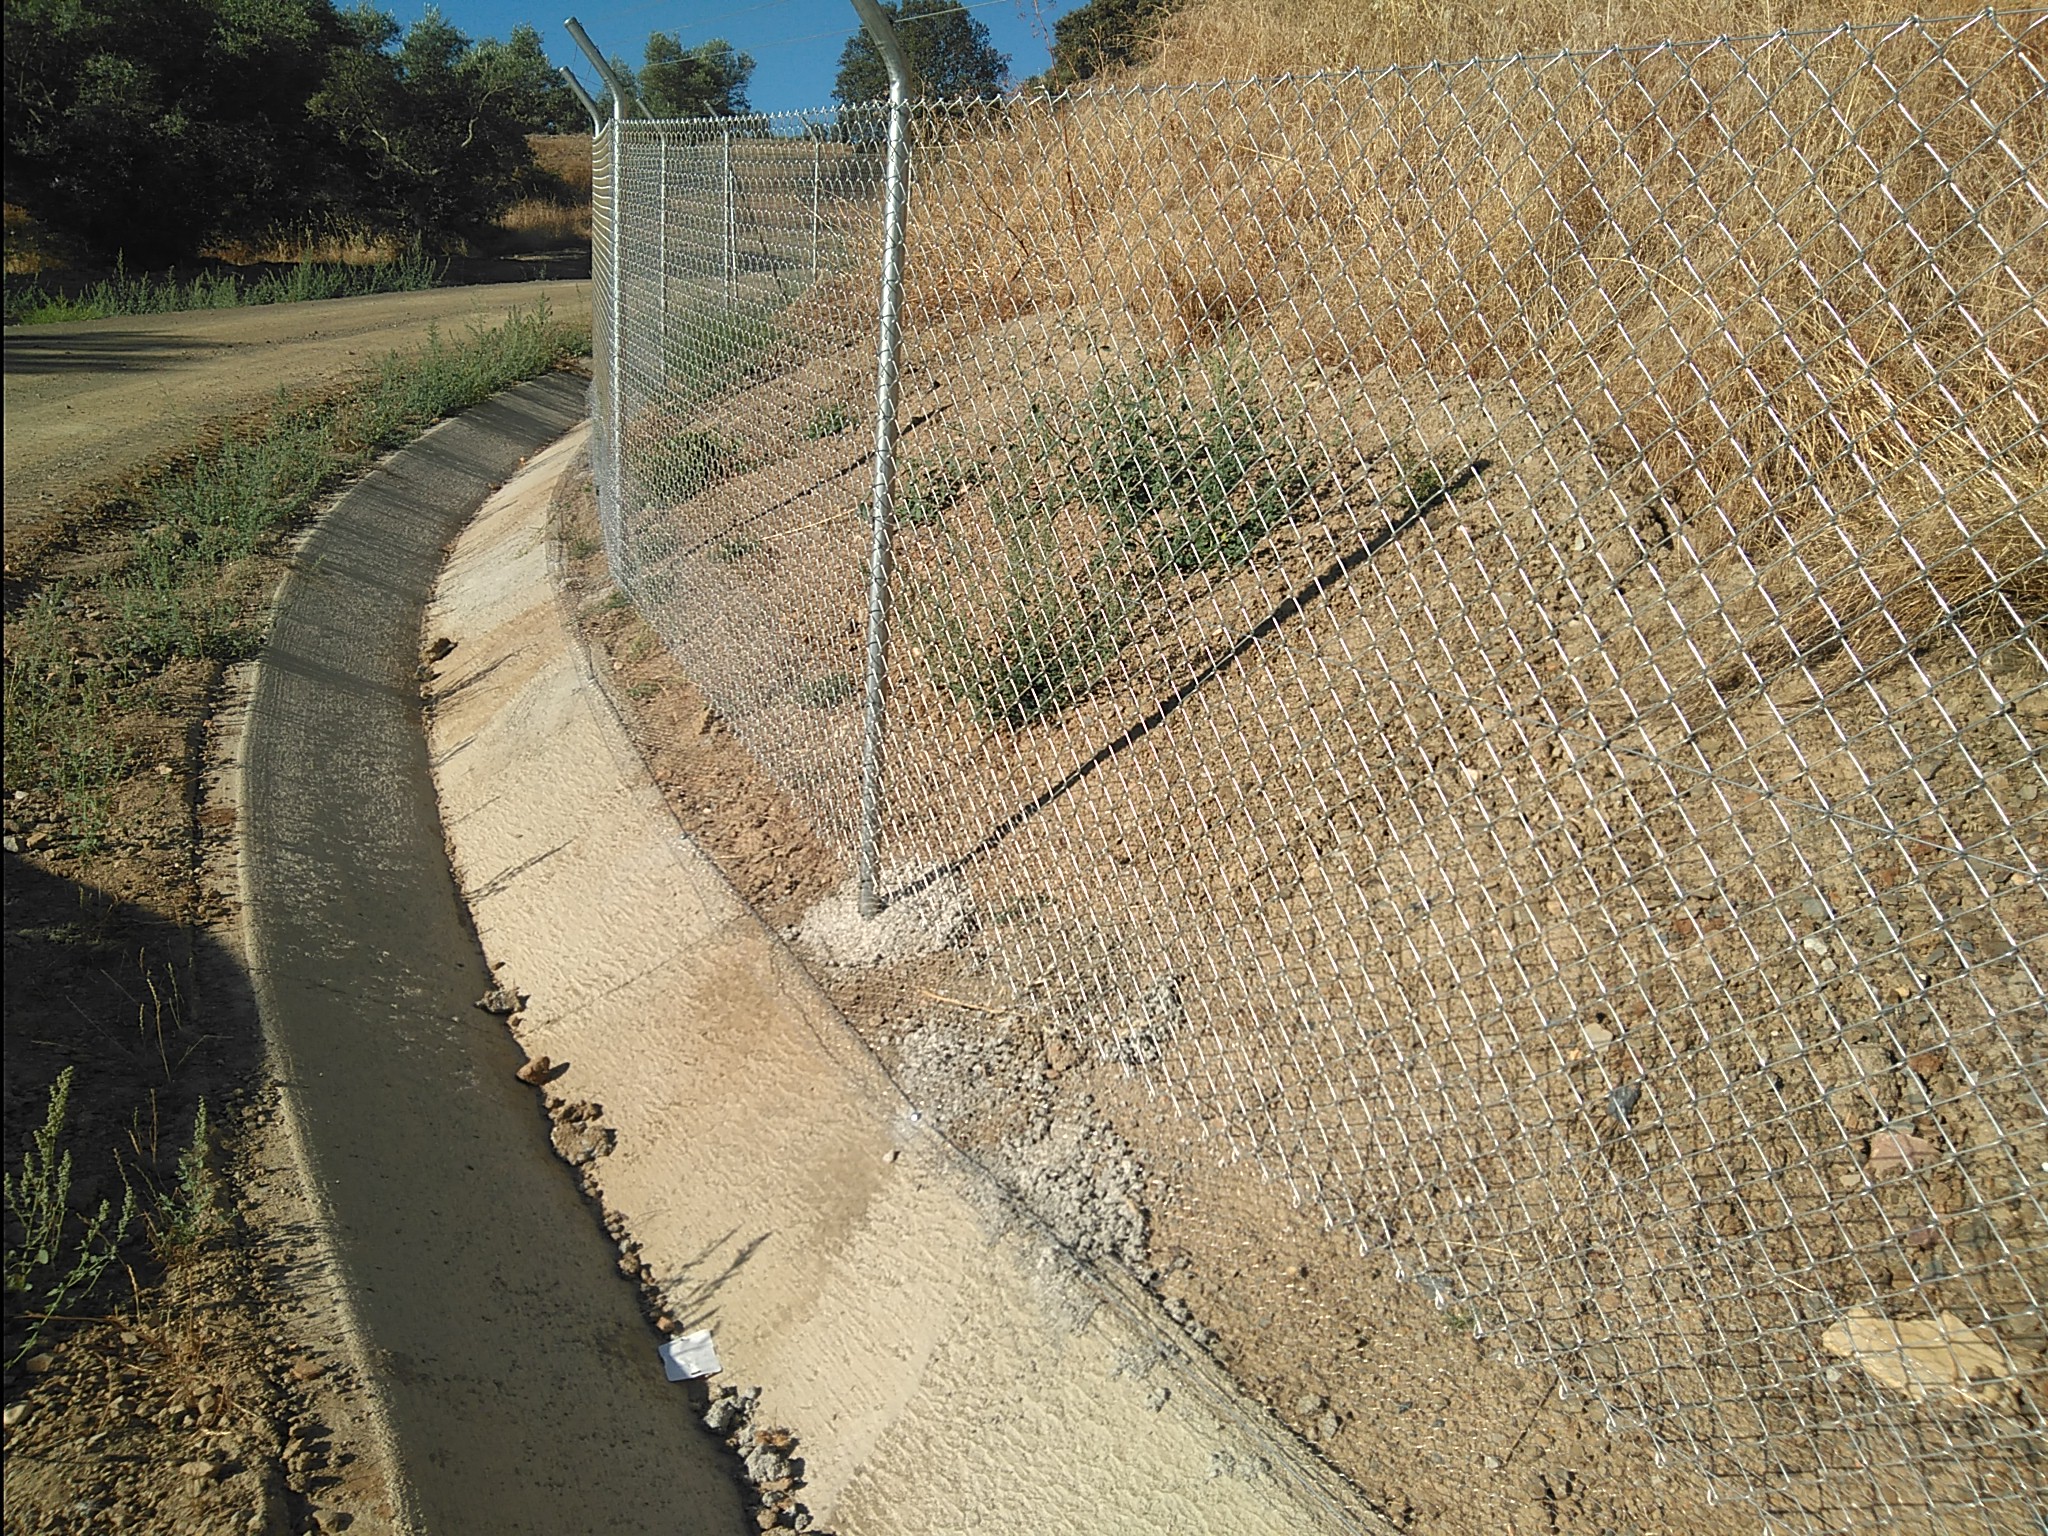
{"points": [[481, 1295], [946, 1365]]}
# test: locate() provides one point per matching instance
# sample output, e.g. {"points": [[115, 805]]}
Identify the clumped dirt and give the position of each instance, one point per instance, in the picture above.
{"points": [[1379, 1369]]}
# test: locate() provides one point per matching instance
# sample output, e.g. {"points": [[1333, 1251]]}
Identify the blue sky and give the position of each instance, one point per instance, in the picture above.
{"points": [[795, 43]]}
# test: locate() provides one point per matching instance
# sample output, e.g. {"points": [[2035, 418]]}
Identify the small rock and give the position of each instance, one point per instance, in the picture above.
{"points": [[719, 1418], [308, 1369], [768, 1519], [1895, 1152], [39, 1365], [578, 1142], [1061, 1054], [327, 1521], [1157, 1398], [199, 1471], [1622, 1103], [1328, 1425], [499, 1000], [536, 1071], [14, 1415], [1491, 1463], [1307, 1405]]}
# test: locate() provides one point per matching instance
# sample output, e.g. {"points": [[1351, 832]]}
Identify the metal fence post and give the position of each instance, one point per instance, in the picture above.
{"points": [[817, 180], [618, 222], [583, 96], [731, 234], [877, 23], [616, 218], [661, 248]]}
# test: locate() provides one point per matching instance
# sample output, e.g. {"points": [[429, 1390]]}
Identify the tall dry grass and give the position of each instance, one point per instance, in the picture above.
{"points": [[1236, 39], [1792, 285]]}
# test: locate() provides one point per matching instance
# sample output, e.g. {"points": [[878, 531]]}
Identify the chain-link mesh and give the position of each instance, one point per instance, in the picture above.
{"points": [[1480, 624]]}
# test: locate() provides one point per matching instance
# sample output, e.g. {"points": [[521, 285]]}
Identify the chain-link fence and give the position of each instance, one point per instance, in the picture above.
{"points": [[1482, 626]]}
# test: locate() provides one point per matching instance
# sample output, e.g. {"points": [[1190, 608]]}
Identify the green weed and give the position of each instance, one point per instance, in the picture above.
{"points": [[1158, 477], [929, 488], [711, 352], [190, 1211], [186, 586], [1422, 481], [1054, 637], [28, 302], [731, 548], [828, 420], [824, 692], [1195, 478], [62, 1255], [691, 463], [60, 706]]}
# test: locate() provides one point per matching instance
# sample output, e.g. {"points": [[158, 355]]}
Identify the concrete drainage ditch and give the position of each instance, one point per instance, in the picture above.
{"points": [[904, 1351]]}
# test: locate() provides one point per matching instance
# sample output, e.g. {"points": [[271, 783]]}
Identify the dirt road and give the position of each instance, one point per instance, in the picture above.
{"points": [[90, 405]]}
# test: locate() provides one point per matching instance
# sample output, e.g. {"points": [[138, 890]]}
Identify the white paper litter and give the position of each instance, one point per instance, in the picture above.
{"points": [[689, 1356]]}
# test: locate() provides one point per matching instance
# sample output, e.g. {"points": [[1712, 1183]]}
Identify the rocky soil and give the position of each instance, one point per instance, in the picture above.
{"points": [[1378, 1368]]}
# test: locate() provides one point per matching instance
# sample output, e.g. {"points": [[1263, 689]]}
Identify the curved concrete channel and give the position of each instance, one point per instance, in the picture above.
{"points": [[519, 1386], [946, 1366]]}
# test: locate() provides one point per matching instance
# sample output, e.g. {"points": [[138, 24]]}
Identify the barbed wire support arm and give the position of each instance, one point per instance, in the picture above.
{"points": [[584, 97], [876, 21], [598, 62]]}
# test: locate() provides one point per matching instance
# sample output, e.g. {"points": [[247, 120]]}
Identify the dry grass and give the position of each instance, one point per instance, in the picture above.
{"points": [[566, 158], [534, 224], [1788, 287], [1236, 39]]}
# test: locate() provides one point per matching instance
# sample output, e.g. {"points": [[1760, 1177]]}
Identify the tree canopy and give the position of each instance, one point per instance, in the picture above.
{"points": [[1103, 36], [153, 128], [951, 55], [709, 80]]}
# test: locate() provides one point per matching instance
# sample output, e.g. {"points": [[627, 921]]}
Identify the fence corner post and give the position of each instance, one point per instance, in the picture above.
{"points": [[896, 193]]}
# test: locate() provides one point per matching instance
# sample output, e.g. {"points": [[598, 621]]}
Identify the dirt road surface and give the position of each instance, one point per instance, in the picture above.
{"points": [[91, 405]]}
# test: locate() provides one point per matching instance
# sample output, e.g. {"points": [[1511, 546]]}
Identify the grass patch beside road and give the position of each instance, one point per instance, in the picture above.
{"points": [[182, 579], [141, 293]]}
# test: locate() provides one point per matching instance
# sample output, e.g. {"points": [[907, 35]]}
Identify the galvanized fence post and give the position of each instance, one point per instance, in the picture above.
{"points": [[618, 223], [616, 218], [661, 248], [817, 181], [583, 96], [896, 195], [731, 217]]}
